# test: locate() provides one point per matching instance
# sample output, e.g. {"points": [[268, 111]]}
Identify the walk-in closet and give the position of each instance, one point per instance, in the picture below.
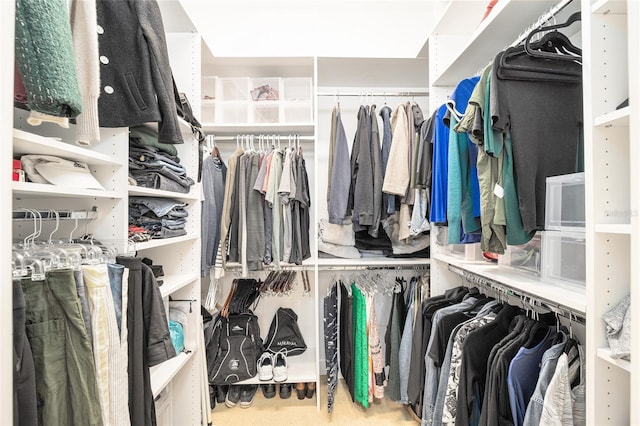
{"points": [[391, 212]]}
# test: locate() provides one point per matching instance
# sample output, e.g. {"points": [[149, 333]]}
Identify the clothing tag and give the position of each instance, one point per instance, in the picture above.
{"points": [[498, 191]]}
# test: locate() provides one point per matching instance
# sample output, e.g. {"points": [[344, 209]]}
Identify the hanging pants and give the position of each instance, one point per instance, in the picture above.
{"points": [[66, 385]]}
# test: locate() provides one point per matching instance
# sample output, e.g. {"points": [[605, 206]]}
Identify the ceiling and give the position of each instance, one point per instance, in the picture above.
{"points": [[326, 28]]}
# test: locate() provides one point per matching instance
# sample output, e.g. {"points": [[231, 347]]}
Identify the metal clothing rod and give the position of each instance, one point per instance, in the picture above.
{"points": [[29, 214], [393, 94], [502, 288], [372, 267], [541, 21], [270, 268], [282, 138]]}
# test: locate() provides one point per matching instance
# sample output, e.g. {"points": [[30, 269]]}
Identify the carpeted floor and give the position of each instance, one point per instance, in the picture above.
{"points": [[292, 411]]}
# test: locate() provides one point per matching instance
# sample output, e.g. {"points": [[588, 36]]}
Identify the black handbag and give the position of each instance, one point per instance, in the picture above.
{"points": [[284, 333]]}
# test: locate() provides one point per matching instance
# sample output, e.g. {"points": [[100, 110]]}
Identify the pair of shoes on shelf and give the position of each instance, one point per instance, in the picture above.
{"points": [[273, 367], [305, 390], [220, 392], [268, 390], [242, 394], [285, 390]]}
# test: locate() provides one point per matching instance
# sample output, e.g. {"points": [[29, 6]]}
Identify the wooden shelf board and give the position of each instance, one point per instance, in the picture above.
{"points": [[163, 373], [33, 190], [150, 192], [569, 296], [617, 118], [606, 228], [161, 242], [605, 354], [301, 368], [30, 143], [175, 282]]}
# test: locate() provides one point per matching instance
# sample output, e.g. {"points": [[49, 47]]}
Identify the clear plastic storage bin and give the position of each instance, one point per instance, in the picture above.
{"points": [[565, 203], [208, 111], [209, 88], [564, 257], [297, 112], [265, 89], [232, 112], [297, 89], [233, 89], [266, 112], [524, 258]]}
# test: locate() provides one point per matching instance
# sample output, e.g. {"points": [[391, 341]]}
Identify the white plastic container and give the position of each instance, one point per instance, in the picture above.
{"points": [[565, 203], [564, 257], [297, 89], [525, 258]]}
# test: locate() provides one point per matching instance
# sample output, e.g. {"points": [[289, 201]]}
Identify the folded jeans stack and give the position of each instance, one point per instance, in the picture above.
{"points": [[161, 217], [153, 167]]}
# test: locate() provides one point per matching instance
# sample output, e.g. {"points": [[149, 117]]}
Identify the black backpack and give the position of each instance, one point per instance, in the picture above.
{"points": [[284, 333], [234, 348]]}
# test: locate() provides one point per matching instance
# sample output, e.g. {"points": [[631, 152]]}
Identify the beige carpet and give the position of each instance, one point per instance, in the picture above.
{"points": [[292, 411]]}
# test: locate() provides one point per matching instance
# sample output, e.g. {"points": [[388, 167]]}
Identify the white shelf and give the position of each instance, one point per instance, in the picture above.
{"points": [[162, 374], [138, 191], [30, 143], [468, 11], [606, 228], [302, 368], [603, 7], [31, 190], [295, 128], [617, 118], [605, 354], [568, 296], [505, 23], [162, 242], [373, 261], [175, 282]]}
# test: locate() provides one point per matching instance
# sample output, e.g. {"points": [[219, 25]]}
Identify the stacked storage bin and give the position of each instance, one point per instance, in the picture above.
{"points": [[564, 239]]}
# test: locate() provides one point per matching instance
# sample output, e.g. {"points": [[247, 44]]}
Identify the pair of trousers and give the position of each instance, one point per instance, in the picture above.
{"points": [[66, 384], [109, 342], [331, 343], [24, 375]]}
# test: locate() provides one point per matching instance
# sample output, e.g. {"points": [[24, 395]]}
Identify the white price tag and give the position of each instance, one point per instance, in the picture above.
{"points": [[498, 191]]}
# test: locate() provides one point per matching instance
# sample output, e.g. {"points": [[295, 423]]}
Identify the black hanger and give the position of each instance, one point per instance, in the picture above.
{"points": [[575, 17]]}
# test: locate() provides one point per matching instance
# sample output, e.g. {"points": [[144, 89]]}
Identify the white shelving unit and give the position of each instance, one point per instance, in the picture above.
{"points": [[181, 377], [7, 22], [611, 65]]}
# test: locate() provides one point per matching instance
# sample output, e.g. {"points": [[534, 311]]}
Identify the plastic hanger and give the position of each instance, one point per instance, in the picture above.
{"points": [[575, 17]]}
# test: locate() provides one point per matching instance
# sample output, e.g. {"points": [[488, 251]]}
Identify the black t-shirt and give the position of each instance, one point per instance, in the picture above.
{"points": [[545, 121]]}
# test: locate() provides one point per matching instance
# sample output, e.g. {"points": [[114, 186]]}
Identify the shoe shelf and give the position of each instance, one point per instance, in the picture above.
{"points": [[301, 369]]}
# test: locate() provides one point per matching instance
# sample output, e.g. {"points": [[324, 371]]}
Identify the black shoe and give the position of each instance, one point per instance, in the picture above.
{"points": [[268, 390], [285, 390], [247, 392], [301, 389], [221, 393], [233, 396]]}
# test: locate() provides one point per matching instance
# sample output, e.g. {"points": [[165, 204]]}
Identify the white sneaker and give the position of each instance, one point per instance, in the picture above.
{"points": [[280, 366], [265, 366]]}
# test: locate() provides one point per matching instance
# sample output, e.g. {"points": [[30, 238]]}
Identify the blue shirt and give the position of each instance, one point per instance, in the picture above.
{"points": [[440, 164]]}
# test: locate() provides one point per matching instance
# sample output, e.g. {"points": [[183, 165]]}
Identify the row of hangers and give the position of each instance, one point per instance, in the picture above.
{"points": [[375, 281], [550, 45], [33, 257], [264, 142]]}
